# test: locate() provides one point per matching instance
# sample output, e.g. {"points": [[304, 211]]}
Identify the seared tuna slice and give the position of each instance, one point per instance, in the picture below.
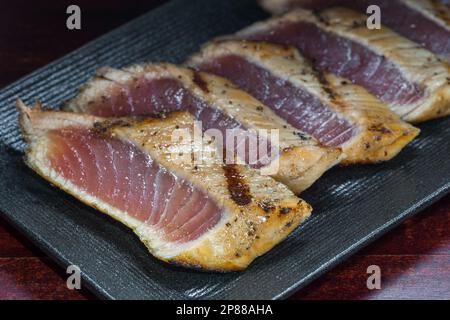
{"points": [[332, 110], [412, 81], [426, 22], [219, 105], [198, 214]]}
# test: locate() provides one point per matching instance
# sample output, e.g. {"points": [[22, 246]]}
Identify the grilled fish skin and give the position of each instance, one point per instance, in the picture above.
{"points": [[374, 132], [426, 22], [243, 214], [412, 81], [156, 88]]}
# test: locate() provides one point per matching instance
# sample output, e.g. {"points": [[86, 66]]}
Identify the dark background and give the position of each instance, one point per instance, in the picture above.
{"points": [[414, 258]]}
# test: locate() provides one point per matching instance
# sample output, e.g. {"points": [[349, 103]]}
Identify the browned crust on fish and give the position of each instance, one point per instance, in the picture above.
{"points": [[381, 134], [249, 228]]}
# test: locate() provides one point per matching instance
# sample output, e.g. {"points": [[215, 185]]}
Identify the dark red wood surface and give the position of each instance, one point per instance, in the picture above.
{"points": [[414, 258]]}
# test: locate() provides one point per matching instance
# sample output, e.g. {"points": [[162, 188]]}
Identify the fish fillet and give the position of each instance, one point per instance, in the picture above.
{"points": [[426, 22], [332, 110], [201, 214], [219, 105], [412, 81]]}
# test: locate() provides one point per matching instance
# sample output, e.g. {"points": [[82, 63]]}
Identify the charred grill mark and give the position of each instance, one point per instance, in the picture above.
{"points": [[328, 88], [325, 84], [238, 188], [198, 80]]}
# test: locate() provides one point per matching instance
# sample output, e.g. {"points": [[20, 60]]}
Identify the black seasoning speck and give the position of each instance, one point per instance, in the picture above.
{"points": [[266, 206], [161, 115], [301, 135], [357, 24]]}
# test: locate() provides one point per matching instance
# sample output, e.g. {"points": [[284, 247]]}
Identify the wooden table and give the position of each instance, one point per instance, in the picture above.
{"points": [[414, 258]]}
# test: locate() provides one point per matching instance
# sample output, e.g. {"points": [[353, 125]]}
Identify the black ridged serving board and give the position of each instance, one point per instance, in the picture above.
{"points": [[352, 206]]}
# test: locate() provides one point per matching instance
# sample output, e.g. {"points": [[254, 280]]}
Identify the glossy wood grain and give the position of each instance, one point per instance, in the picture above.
{"points": [[414, 258]]}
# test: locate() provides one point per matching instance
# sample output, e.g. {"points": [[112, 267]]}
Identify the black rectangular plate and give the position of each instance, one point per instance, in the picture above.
{"points": [[352, 206]]}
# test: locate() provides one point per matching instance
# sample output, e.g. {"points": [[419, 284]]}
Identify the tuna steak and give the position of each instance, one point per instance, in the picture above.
{"points": [[218, 104], [332, 110], [207, 215], [410, 80], [426, 22]]}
